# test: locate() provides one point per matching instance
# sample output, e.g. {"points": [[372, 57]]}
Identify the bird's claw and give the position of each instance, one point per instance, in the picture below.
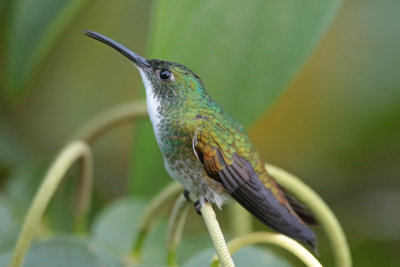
{"points": [[197, 204], [186, 194], [197, 207]]}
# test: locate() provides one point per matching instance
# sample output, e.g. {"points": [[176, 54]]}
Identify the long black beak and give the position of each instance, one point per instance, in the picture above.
{"points": [[138, 60]]}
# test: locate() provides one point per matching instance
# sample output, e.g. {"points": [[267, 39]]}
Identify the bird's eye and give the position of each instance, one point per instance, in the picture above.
{"points": [[165, 74]]}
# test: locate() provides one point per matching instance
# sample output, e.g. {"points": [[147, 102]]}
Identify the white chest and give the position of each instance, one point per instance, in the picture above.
{"points": [[153, 104]]}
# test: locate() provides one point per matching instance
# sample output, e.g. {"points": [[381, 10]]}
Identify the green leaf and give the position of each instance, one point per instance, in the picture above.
{"points": [[248, 256], [117, 224], [5, 258], [23, 183], [155, 248], [69, 251], [246, 54], [202, 258], [8, 225], [34, 26], [60, 252], [253, 256], [192, 244], [116, 228]]}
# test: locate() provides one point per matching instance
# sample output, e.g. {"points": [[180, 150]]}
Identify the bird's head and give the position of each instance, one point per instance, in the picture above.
{"points": [[167, 81]]}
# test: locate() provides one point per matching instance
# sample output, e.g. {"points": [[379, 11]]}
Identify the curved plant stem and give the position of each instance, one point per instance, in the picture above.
{"points": [[110, 118], [100, 124], [216, 235], [320, 210], [84, 195], [152, 211], [63, 162], [175, 228], [272, 238]]}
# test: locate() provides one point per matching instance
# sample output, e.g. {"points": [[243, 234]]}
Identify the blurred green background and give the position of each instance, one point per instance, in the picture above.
{"points": [[316, 83]]}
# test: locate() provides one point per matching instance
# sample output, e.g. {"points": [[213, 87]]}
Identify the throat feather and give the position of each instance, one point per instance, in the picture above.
{"points": [[153, 104]]}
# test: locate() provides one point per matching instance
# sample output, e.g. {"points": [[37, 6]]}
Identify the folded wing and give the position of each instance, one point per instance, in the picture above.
{"points": [[240, 180]]}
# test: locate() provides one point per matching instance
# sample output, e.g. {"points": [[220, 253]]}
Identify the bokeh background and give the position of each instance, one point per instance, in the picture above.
{"points": [[327, 107]]}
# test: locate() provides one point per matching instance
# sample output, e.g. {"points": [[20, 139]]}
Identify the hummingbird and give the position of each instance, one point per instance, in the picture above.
{"points": [[208, 151]]}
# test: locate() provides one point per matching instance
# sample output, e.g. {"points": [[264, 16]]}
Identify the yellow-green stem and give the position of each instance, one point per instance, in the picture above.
{"points": [[320, 210], [216, 235], [151, 213], [175, 228], [72, 152], [99, 125], [84, 195], [275, 239]]}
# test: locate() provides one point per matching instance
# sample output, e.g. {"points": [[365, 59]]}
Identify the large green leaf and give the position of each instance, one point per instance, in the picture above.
{"points": [[33, 27], [246, 53]]}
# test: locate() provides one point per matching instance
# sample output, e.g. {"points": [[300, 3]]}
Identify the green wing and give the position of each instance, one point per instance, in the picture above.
{"points": [[229, 157]]}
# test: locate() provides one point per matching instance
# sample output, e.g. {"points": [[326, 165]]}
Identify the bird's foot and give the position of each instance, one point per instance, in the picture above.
{"points": [[197, 207], [197, 203], [186, 194]]}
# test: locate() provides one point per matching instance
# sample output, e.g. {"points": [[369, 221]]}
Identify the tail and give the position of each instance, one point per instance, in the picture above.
{"points": [[302, 211], [262, 204]]}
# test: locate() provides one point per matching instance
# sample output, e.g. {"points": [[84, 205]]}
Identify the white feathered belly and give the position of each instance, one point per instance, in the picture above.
{"points": [[192, 177]]}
